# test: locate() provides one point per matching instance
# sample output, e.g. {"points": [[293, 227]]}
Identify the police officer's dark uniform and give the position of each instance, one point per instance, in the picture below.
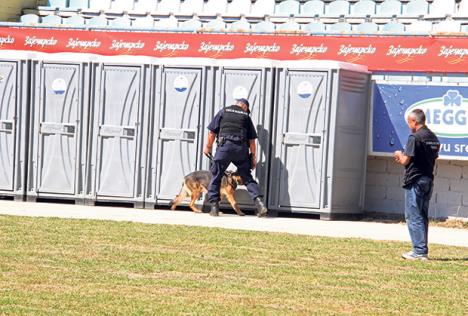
{"points": [[234, 130]]}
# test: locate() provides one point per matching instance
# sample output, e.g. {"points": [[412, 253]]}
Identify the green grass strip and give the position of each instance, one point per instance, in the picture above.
{"points": [[79, 267]]}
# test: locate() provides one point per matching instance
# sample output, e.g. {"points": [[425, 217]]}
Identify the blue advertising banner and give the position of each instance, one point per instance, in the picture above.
{"points": [[446, 109]]}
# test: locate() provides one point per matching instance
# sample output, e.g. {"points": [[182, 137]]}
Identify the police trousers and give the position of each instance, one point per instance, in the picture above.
{"points": [[238, 154]]}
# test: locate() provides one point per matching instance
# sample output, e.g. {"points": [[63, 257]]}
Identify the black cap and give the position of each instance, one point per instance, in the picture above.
{"points": [[245, 101]]}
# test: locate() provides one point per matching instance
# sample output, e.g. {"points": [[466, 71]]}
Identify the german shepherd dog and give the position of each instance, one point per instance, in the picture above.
{"points": [[197, 182]]}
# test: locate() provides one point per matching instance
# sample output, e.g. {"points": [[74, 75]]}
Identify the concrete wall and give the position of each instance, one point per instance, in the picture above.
{"points": [[384, 193], [10, 10]]}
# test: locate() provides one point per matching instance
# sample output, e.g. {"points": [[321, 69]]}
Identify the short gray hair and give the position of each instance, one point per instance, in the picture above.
{"points": [[419, 116]]}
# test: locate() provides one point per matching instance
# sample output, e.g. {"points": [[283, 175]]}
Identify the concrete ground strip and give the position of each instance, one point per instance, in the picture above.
{"points": [[300, 226]]}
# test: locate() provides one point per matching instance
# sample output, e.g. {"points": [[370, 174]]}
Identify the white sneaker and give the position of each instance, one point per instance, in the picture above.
{"points": [[412, 256]]}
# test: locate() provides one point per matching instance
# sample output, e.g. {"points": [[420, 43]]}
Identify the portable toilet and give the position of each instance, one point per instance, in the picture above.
{"points": [[58, 126], [14, 109], [253, 80], [116, 163], [320, 123], [181, 98]]}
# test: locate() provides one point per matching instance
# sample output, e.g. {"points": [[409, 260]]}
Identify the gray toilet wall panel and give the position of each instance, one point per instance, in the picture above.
{"points": [[178, 124], [118, 140], [350, 148], [57, 121], [300, 119], [58, 146], [8, 134], [254, 85], [14, 111]]}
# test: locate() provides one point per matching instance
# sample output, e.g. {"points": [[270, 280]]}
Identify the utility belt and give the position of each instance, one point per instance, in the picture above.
{"points": [[221, 140]]}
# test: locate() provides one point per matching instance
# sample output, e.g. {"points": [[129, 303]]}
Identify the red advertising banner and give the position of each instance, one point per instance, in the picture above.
{"points": [[379, 53]]}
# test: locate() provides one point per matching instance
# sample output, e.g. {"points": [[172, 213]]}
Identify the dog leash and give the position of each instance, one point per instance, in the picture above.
{"points": [[211, 158]]}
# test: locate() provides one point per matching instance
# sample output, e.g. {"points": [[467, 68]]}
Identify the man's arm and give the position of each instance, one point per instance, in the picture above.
{"points": [[213, 130], [404, 158], [253, 151], [209, 143]]}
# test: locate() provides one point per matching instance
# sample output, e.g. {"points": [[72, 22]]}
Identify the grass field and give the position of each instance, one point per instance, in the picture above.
{"points": [[77, 267]]}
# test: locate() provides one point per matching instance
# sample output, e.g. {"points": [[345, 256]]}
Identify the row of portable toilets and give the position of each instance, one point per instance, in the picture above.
{"points": [[88, 128]]}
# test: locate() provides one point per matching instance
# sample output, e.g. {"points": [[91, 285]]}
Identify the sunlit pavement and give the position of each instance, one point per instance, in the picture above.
{"points": [[300, 226]]}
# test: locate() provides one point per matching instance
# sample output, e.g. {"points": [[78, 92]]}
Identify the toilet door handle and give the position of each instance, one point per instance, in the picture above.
{"points": [[7, 126]]}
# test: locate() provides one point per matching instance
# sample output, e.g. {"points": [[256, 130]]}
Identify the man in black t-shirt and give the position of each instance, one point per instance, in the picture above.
{"points": [[419, 156]]}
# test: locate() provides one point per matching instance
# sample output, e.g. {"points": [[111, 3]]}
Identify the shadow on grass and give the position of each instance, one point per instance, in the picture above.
{"points": [[449, 259]]}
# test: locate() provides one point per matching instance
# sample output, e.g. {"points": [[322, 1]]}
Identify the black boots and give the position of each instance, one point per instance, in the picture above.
{"points": [[261, 209], [214, 209]]}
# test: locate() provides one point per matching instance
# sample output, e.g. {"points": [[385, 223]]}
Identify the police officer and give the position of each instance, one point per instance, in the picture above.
{"points": [[236, 136]]}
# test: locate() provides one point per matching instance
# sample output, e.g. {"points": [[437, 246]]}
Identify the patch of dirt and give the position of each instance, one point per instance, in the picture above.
{"points": [[450, 223], [398, 219]]}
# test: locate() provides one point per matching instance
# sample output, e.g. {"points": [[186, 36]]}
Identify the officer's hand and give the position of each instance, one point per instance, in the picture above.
{"points": [[207, 150]]}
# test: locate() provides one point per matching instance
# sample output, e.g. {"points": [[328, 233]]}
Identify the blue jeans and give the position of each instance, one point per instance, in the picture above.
{"points": [[417, 198]]}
